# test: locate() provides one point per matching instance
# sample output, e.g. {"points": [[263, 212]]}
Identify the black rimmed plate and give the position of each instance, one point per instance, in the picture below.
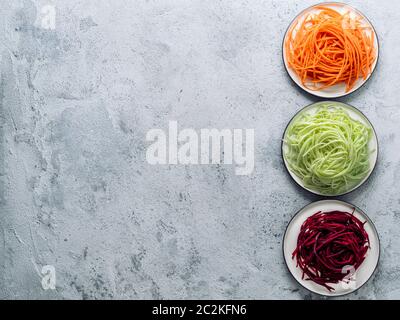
{"points": [[354, 114], [338, 90], [360, 276]]}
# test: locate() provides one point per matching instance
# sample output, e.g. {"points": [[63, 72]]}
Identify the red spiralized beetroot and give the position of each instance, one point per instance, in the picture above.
{"points": [[328, 243]]}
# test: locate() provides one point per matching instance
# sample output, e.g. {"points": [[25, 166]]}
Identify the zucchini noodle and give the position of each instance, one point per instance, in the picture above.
{"points": [[328, 150]]}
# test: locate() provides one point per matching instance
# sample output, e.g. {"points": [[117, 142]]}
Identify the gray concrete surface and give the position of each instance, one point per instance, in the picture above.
{"points": [[75, 189]]}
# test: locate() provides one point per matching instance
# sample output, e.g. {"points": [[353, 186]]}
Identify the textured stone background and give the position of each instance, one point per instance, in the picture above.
{"points": [[77, 193]]}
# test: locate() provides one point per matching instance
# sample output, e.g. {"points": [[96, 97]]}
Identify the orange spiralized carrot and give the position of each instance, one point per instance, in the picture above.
{"points": [[325, 47]]}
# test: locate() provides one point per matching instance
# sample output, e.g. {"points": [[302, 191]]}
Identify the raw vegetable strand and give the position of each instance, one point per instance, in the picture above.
{"points": [[328, 150], [328, 243], [327, 47]]}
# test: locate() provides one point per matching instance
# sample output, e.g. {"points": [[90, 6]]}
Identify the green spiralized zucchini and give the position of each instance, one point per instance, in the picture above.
{"points": [[328, 150]]}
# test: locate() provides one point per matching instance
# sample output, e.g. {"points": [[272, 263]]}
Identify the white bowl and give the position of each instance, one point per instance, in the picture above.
{"points": [[338, 90], [356, 115], [360, 276]]}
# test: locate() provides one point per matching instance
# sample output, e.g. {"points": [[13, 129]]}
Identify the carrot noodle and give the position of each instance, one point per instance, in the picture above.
{"points": [[325, 48], [329, 243]]}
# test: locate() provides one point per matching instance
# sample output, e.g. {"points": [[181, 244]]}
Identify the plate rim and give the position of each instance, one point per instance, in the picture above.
{"points": [[315, 93], [315, 192], [373, 227]]}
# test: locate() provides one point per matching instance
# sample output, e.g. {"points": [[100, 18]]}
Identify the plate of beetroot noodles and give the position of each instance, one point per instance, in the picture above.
{"points": [[330, 50], [331, 247]]}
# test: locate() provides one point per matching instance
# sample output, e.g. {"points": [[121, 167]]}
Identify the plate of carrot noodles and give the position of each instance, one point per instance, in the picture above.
{"points": [[331, 247], [330, 50]]}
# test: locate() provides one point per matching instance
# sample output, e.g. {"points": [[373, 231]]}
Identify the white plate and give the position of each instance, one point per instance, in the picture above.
{"points": [[338, 90], [361, 275], [356, 115]]}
